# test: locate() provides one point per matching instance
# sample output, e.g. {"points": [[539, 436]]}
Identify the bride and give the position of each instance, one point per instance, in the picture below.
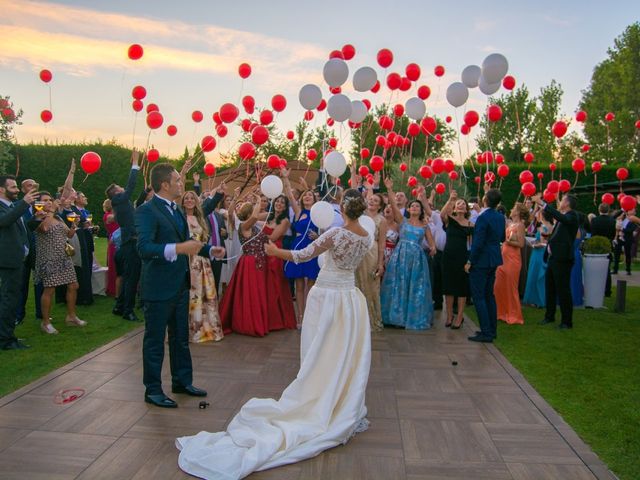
{"points": [[325, 405]]}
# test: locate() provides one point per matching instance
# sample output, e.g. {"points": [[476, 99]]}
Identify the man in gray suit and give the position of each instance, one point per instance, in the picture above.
{"points": [[14, 245]]}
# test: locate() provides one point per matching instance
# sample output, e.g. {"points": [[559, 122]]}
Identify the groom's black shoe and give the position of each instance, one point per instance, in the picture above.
{"points": [[481, 339], [545, 321], [160, 400], [190, 390], [479, 332]]}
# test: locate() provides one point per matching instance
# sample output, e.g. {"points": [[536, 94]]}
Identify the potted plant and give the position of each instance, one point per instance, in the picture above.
{"points": [[596, 251]]}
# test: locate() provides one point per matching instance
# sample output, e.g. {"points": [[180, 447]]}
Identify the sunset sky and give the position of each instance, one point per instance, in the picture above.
{"points": [[193, 49]]}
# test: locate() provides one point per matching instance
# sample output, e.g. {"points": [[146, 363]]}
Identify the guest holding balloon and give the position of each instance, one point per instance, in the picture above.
{"points": [[534, 293], [304, 273], [406, 299]]}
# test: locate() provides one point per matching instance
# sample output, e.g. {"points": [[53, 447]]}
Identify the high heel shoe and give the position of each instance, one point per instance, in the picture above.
{"points": [[48, 329], [457, 327], [75, 322], [448, 322]]}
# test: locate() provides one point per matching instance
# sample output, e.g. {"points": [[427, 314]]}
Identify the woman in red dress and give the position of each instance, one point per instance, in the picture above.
{"points": [[111, 225], [279, 302], [244, 304]]}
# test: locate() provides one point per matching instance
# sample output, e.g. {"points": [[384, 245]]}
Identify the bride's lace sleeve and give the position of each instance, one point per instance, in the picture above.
{"points": [[323, 243]]}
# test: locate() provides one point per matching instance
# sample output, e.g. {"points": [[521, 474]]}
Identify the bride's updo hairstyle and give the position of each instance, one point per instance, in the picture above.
{"points": [[353, 205]]}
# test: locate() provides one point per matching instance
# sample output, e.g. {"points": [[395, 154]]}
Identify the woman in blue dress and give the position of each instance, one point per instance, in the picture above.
{"points": [[305, 232], [577, 287], [534, 293], [406, 298]]}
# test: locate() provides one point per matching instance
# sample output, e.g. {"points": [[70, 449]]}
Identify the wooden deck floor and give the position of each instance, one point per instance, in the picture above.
{"points": [[429, 419]]}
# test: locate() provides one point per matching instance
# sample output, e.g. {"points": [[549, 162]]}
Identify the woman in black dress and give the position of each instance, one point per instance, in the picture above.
{"points": [[455, 281]]}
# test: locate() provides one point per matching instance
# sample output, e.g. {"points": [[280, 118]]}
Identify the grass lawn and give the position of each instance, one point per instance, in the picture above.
{"points": [[590, 375], [48, 352]]}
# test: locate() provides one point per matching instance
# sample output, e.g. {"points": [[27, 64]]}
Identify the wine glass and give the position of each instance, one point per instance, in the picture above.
{"points": [[71, 217], [89, 217], [38, 206]]}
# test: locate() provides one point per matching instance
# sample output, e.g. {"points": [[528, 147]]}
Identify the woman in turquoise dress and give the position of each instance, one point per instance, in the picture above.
{"points": [[534, 293], [406, 298]]}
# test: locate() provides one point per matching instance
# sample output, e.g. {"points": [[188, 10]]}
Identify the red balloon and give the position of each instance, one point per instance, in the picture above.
{"points": [[428, 125], [440, 188], [526, 176], [581, 116], [221, 130], [364, 153], [312, 154], [540, 175], [464, 129], [528, 189], [376, 87], [453, 175], [46, 116], [90, 162], [610, 117], [578, 165], [448, 119], [139, 92], [135, 52], [620, 196], [154, 120], [196, 116], [481, 158], [553, 186], [394, 80], [412, 181], [283, 164], [638, 124], [152, 107], [477, 180], [548, 196], [172, 130], [216, 118], [385, 57], [438, 71], [559, 129], [529, 157], [622, 173], [386, 122], [412, 71], [552, 167], [333, 142], [499, 158], [376, 163], [273, 161], [308, 116], [46, 75], [209, 169], [363, 171], [260, 135], [413, 129], [322, 105], [489, 177], [586, 147], [380, 141], [596, 167], [228, 112], [405, 84], [398, 110], [247, 151], [564, 186], [628, 203], [244, 70], [248, 103], [488, 157], [290, 135], [471, 118], [336, 54], [438, 166], [449, 166], [153, 155], [424, 92], [403, 167], [503, 170], [266, 117], [509, 82], [348, 51], [137, 105], [278, 103], [8, 114], [494, 113], [425, 171], [245, 125], [608, 198], [208, 143]]}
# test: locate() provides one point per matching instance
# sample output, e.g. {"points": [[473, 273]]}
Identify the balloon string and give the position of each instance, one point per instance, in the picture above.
{"points": [[50, 103], [133, 137]]}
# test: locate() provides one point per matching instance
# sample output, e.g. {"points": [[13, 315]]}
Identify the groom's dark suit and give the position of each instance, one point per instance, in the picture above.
{"points": [[165, 292]]}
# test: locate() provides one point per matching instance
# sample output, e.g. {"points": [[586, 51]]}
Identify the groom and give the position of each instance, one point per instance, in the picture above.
{"points": [[484, 259], [164, 247]]}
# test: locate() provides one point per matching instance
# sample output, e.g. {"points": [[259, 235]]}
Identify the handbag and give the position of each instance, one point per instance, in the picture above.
{"points": [[69, 250]]}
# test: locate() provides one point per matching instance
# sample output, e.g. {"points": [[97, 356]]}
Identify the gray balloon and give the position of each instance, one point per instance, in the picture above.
{"points": [[364, 79], [415, 108], [494, 68], [488, 88], [471, 76], [358, 111], [339, 107], [310, 96], [457, 94], [335, 72]]}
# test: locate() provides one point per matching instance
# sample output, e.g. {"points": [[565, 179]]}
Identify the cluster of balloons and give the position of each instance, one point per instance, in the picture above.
{"points": [[487, 79]]}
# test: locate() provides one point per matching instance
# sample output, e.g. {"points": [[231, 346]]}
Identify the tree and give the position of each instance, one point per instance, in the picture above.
{"points": [[614, 88], [9, 118]]}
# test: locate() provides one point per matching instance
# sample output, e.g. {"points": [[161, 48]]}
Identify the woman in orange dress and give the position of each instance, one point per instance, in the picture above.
{"points": [[508, 274]]}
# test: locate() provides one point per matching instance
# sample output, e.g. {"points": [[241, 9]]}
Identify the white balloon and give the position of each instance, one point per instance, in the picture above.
{"points": [[335, 164], [415, 108], [322, 214], [457, 94], [339, 107], [335, 72], [488, 88], [358, 111], [310, 96], [471, 76], [368, 224], [271, 186], [364, 79], [494, 68]]}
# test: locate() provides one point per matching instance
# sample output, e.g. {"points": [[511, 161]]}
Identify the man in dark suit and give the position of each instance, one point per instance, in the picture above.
{"points": [[14, 245], [605, 226], [127, 258], [559, 256], [484, 259], [164, 246]]}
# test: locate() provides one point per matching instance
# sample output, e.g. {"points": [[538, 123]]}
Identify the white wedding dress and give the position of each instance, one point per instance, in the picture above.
{"points": [[325, 405]]}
